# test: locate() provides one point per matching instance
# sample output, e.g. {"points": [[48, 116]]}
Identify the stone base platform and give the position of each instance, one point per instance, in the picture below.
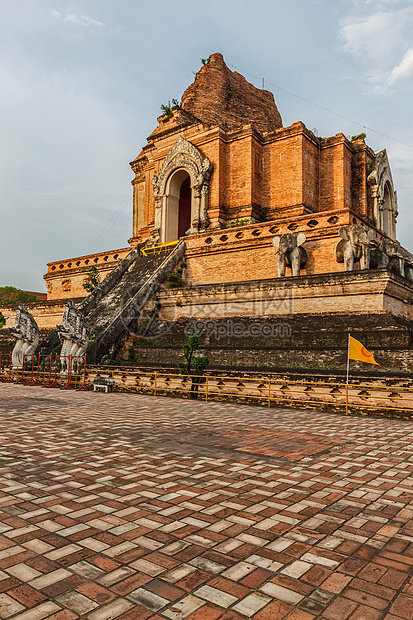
{"points": [[369, 291], [290, 323]]}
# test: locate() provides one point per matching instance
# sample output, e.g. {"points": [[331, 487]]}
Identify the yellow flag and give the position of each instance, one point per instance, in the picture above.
{"points": [[358, 352]]}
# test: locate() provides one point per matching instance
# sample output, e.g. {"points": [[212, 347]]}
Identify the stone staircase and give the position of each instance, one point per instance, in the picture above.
{"points": [[117, 302], [122, 304]]}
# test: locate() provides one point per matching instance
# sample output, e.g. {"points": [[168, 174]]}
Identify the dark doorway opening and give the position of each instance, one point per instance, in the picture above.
{"points": [[184, 219]]}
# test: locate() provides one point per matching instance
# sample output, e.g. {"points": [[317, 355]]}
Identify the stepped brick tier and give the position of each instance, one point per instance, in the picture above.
{"points": [[264, 210]]}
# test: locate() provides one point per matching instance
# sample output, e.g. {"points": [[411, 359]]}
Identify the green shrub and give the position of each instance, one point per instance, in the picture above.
{"points": [[92, 280], [175, 279], [360, 136], [167, 109], [199, 364], [237, 222]]}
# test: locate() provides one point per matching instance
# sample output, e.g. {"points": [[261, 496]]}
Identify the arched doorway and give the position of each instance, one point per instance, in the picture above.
{"points": [[177, 207], [184, 218]]}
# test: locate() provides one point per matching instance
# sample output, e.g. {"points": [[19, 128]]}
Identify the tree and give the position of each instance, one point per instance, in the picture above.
{"points": [[92, 280], [199, 364], [12, 295]]}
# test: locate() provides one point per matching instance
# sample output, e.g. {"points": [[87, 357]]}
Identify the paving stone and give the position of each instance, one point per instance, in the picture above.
{"points": [[42, 611], [251, 604], [403, 607], [128, 507], [223, 599], [281, 593], [183, 608], [9, 606], [23, 572], [46, 580], [27, 596], [115, 609], [148, 599], [77, 602], [296, 569]]}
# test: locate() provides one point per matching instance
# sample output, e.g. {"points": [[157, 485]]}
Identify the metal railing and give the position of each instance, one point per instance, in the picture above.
{"points": [[63, 371], [159, 248]]}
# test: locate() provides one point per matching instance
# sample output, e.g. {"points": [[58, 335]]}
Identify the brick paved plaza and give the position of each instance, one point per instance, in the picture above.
{"points": [[133, 507]]}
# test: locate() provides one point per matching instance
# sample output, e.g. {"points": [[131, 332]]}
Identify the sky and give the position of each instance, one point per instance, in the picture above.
{"points": [[82, 83]]}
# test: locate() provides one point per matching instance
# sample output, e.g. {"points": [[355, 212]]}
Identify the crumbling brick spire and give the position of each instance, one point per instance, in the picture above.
{"points": [[219, 96]]}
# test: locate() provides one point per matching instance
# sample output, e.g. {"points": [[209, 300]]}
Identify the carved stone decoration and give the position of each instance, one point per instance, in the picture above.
{"points": [[138, 166], [354, 246], [73, 333], [185, 156], [26, 332], [391, 255], [290, 253], [383, 195]]}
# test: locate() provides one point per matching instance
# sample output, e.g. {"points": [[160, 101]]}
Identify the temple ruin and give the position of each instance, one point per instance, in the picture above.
{"points": [[274, 224]]}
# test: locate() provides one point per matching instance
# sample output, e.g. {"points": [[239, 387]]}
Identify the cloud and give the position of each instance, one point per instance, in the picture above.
{"points": [[379, 41], [403, 68], [82, 20]]}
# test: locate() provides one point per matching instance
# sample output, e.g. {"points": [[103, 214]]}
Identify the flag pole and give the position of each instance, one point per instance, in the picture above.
{"points": [[348, 364]]}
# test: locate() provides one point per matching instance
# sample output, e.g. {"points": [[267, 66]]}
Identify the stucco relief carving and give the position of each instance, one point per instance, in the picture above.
{"points": [[384, 197], [184, 155], [26, 333]]}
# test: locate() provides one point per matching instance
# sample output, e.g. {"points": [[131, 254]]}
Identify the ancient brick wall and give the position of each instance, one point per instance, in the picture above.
{"points": [[376, 291], [391, 360], [246, 252], [335, 173], [64, 279]]}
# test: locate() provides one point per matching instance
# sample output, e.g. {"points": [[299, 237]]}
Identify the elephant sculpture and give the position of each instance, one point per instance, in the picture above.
{"points": [[354, 246], [393, 256], [290, 253]]}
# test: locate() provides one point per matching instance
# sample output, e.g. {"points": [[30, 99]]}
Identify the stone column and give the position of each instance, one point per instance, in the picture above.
{"points": [[196, 207], [203, 220], [158, 218]]}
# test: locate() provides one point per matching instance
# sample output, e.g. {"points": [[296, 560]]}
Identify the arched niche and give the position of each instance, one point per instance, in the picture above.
{"points": [[184, 164], [383, 194]]}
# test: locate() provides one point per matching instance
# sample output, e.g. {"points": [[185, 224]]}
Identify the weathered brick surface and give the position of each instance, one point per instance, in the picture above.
{"points": [[232, 102]]}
